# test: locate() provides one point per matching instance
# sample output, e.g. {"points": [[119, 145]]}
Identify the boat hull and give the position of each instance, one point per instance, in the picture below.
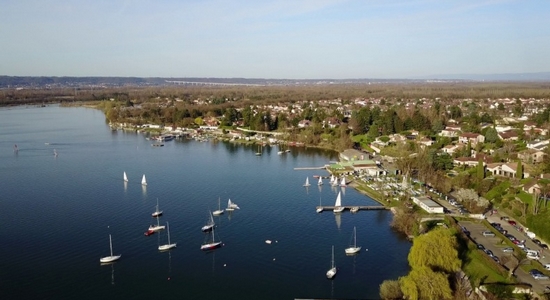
{"points": [[353, 250], [211, 246], [167, 247], [218, 212], [331, 273], [108, 259], [339, 209], [207, 228], [156, 228], [156, 214]]}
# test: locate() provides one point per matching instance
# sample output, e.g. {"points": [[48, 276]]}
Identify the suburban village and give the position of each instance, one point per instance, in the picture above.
{"points": [[477, 167]]}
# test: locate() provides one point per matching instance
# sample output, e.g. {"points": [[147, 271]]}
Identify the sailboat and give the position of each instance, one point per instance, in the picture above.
{"points": [[157, 212], [320, 208], [219, 211], [307, 182], [338, 204], [231, 206], [209, 224], [156, 227], [143, 180], [352, 249], [332, 271], [343, 183], [169, 245], [125, 177], [111, 258], [320, 182], [211, 244], [334, 181]]}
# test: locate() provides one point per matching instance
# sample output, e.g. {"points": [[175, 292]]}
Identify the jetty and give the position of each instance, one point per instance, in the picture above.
{"points": [[349, 207], [311, 168]]}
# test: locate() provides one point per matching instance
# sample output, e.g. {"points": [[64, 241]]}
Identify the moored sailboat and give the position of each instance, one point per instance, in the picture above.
{"points": [[209, 224], [111, 258], [169, 245], [332, 271], [219, 211], [211, 244], [320, 182], [307, 182], [231, 206], [353, 249], [157, 212], [338, 204], [156, 227], [125, 177]]}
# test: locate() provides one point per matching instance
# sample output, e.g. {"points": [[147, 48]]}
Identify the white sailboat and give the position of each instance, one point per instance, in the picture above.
{"points": [[352, 249], [125, 177], [320, 208], [338, 204], [219, 211], [169, 245], [334, 181], [307, 182], [259, 153], [157, 227], [143, 180], [209, 224], [211, 244], [111, 258], [157, 212], [320, 182], [343, 183], [332, 271], [231, 206]]}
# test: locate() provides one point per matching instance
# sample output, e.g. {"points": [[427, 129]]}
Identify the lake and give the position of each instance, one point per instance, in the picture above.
{"points": [[57, 212]]}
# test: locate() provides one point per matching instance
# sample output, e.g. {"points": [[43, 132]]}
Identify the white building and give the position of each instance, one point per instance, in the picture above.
{"points": [[428, 205]]}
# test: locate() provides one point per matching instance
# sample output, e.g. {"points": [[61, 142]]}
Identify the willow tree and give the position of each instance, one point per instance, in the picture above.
{"points": [[424, 283], [436, 250]]}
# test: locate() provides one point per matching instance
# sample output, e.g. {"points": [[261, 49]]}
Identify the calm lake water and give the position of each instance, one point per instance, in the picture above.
{"points": [[56, 214]]}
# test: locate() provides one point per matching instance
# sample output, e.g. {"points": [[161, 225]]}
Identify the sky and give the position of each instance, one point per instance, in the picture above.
{"points": [[280, 39]]}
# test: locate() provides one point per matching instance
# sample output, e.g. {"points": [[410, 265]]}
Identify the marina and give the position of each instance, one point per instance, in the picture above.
{"points": [[85, 190]]}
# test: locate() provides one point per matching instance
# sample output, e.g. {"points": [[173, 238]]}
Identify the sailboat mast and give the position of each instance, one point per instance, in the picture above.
{"points": [[168, 228], [332, 262], [111, 244]]}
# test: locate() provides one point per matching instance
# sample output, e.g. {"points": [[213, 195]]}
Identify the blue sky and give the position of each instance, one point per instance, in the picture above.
{"points": [[290, 39]]}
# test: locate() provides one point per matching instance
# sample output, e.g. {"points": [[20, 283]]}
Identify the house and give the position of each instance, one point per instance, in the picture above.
{"points": [[473, 138], [466, 161], [531, 156], [425, 142], [428, 205], [449, 132], [452, 149], [352, 154], [505, 169], [509, 135], [532, 187], [332, 122]]}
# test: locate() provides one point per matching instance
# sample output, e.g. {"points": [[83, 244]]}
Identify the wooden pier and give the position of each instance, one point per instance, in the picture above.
{"points": [[349, 207]]}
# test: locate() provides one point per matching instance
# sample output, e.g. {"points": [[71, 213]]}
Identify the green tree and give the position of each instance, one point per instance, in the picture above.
{"points": [[480, 169], [491, 135], [424, 283], [437, 250], [519, 170], [390, 290]]}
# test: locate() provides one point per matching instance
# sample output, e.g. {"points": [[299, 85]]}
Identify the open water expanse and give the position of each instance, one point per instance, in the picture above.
{"points": [[56, 214]]}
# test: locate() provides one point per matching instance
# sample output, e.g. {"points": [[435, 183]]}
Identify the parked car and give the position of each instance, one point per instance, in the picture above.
{"points": [[488, 252], [505, 218], [513, 223], [544, 246], [537, 242], [496, 259], [480, 246], [508, 249], [488, 233]]}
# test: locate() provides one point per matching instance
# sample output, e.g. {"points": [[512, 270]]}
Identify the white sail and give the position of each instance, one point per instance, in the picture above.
{"points": [[320, 181], [125, 177], [307, 182], [338, 204], [343, 183], [143, 180]]}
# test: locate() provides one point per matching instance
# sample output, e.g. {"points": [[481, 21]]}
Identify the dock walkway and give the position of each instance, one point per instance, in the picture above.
{"points": [[348, 207]]}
